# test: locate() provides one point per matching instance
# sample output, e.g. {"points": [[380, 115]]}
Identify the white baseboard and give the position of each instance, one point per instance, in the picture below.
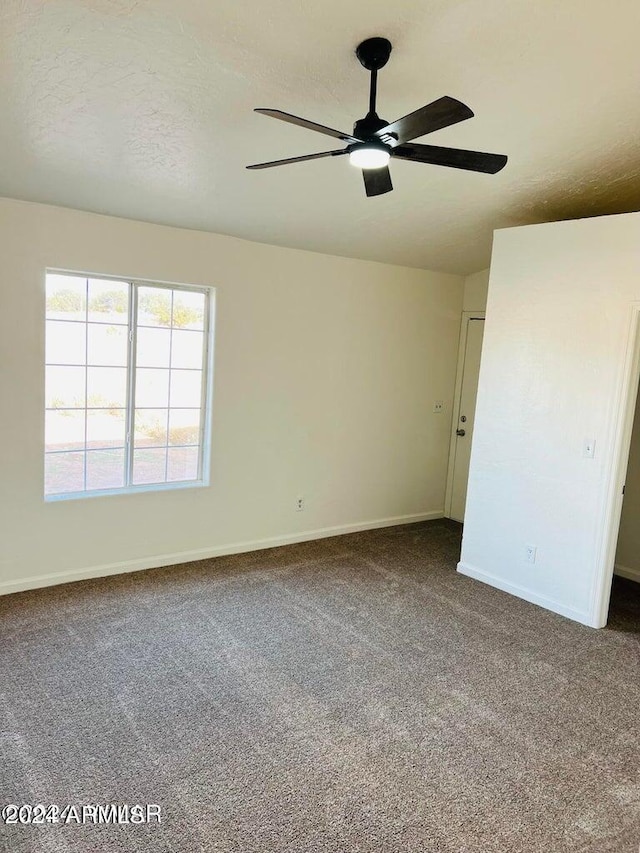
{"points": [[625, 572], [526, 594], [159, 560]]}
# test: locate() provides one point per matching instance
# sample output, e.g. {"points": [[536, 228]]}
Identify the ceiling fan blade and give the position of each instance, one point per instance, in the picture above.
{"points": [[457, 158], [298, 159], [434, 116], [377, 181], [311, 125]]}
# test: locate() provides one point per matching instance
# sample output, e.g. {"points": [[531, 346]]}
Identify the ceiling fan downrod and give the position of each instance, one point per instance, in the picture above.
{"points": [[372, 54], [373, 92]]}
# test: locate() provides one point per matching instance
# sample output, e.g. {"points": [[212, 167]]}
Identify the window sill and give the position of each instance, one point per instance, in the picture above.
{"points": [[128, 490]]}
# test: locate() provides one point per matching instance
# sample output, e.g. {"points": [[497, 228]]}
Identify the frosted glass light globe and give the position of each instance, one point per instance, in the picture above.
{"points": [[369, 157]]}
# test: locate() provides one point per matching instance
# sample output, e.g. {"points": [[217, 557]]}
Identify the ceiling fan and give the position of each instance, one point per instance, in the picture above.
{"points": [[374, 141]]}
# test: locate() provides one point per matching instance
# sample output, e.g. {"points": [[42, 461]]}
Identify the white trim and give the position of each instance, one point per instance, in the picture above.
{"points": [[457, 395], [626, 572], [159, 560], [623, 414], [462, 345], [522, 592]]}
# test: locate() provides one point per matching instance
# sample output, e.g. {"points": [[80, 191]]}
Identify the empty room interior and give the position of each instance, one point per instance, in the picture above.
{"points": [[319, 369]]}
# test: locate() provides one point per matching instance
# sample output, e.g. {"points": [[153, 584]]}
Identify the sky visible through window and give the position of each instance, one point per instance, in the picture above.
{"points": [[125, 384]]}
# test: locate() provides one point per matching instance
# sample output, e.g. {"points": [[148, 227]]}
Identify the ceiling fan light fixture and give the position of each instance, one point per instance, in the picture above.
{"points": [[374, 141], [368, 156]]}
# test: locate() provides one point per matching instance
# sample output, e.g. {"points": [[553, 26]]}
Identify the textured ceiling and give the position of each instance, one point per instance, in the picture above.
{"points": [[143, 109]]}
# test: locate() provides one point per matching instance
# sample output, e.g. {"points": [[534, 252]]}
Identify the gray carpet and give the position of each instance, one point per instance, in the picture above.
{"points": [[352, 694]]}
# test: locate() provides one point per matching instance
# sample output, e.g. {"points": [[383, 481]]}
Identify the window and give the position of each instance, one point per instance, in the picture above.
{"points": [[127, 385]]}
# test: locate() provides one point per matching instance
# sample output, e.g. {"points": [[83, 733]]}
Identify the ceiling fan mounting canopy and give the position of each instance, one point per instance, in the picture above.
{"points": [[375, 140], [374, 53]]}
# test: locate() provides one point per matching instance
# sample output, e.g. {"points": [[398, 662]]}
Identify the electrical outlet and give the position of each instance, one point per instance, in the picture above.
{"points": [[438, 406], [530, 553], [299, 503]]}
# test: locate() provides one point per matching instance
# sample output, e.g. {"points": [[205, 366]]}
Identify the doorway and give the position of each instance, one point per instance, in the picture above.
{"points": [[624, 605], [464, 409], [627, 560]]}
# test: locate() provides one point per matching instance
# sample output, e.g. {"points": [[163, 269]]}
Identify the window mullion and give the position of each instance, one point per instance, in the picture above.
{"points": [[131, 382]]}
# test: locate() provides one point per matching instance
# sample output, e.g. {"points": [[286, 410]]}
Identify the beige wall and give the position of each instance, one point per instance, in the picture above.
{"points": [[628, 552], [555, 352], [326, 373], [476, 287]]}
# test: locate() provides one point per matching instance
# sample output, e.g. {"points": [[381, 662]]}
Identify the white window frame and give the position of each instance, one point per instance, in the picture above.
{"points": [[204, 444]]}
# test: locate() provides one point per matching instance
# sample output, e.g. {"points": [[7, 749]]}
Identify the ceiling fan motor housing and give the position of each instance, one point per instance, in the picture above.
{"points": [[366, 128]]}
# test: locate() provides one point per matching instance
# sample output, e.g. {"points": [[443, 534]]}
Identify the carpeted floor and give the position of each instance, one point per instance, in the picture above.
{"points": [[352, 694]]}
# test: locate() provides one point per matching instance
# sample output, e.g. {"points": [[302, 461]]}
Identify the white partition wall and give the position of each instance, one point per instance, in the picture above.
{"points": [[556, 372]]}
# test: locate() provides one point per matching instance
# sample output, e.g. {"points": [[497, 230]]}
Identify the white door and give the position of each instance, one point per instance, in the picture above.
{"points": [[464, 414]]}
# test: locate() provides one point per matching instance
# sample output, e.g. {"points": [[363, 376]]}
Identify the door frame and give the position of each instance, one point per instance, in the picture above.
{"points": [[612, 509], [457, 394]]}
